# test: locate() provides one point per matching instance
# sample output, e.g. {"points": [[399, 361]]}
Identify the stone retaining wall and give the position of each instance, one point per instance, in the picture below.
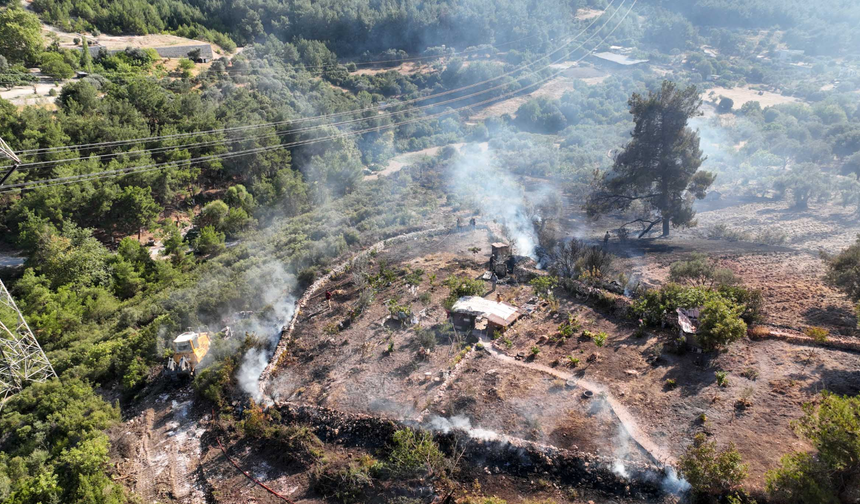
{"points": [[503, 455], [311, 291], [798, 338]]}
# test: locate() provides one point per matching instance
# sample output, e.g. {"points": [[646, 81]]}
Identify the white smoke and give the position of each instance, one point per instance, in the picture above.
{"points": [[476, 179], [463, 424], [673, 483], [248, 376], [621, 452], [274, 287]]}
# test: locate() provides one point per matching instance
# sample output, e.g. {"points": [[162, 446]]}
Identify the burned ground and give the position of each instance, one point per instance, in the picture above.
{"points": [[502, 389], [768, 380]]}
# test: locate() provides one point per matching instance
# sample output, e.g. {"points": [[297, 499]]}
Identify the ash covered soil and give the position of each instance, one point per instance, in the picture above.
{"points": [[350, 370], [789, 274]]}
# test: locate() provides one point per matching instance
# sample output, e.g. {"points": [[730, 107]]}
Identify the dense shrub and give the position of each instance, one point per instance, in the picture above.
{"points": [[833, 428], [699, 270], [460, 287], [346, 482], [293, 443], [709, 471], [653, 305], [53, 447], [414, 453], [843, 270], [210, 241], [720, 324], [543, 285]]}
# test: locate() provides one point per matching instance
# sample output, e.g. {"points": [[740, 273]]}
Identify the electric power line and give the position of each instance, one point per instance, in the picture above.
{"points": [[95, 145], [298, 130], [159, 166]]}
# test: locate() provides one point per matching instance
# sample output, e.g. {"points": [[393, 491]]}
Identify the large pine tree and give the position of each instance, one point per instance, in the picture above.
{"points": [[657, 174]]}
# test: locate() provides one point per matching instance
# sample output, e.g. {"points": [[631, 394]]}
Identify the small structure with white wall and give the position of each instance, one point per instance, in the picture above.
{"points": [[483, 315]]}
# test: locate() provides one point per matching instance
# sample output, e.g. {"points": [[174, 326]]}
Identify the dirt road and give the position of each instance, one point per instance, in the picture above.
{"points": [[658, 454]]}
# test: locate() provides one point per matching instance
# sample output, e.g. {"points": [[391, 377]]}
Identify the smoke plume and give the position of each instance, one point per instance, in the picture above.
{"points": [[477, 181], [274, 286], [461, 423]]}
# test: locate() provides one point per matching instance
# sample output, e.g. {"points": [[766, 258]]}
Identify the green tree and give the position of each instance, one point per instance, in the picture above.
{"points": [[73, 257], [237, 196], [209, 242], [213, 214], [171, 238], [726, 105], [720, 323], [833, 428], [709, 471], [20, 36], [86, 58], [134, 209], [804, 182], [852, 165], [668, 31], [78, 97], [659, 169], [53, 445], [127, 281], [55, 65], [236, 220], [334, 174]]}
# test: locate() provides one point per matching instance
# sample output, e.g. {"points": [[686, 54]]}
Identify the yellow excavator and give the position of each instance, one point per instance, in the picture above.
{"points": [[189, 349]]}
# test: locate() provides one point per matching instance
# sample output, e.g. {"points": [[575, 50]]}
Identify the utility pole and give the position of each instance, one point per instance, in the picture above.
{"points": [[7, 152], [22, 360]]}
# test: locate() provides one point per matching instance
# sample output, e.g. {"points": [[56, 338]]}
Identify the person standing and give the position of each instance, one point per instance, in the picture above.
{"points": [[606, 239], [328, 298]]}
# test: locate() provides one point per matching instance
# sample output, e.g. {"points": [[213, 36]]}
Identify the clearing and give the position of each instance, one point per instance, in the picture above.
{"points": [[744, 94], [400, 161], [348, 366], [553, 89]]}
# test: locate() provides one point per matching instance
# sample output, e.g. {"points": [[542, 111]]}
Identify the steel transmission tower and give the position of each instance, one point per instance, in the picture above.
{"points": [[22, 360], [6, 152]]}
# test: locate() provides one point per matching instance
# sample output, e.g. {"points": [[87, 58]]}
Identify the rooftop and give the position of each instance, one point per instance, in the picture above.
{"points": [[620, 59], [496, 312]]}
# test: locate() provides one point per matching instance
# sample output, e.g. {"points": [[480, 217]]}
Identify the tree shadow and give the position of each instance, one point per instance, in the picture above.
{"points": [[405, 369], [839, 381], [831, 315], [691, 372], [638, 247]]}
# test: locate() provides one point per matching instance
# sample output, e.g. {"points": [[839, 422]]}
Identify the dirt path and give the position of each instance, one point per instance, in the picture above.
{"points": [[401, 161], [659, 455], [32, 94]]}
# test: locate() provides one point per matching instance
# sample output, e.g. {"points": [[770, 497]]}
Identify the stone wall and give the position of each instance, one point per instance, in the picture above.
{"points": [[503, 455], [301, 304]]}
